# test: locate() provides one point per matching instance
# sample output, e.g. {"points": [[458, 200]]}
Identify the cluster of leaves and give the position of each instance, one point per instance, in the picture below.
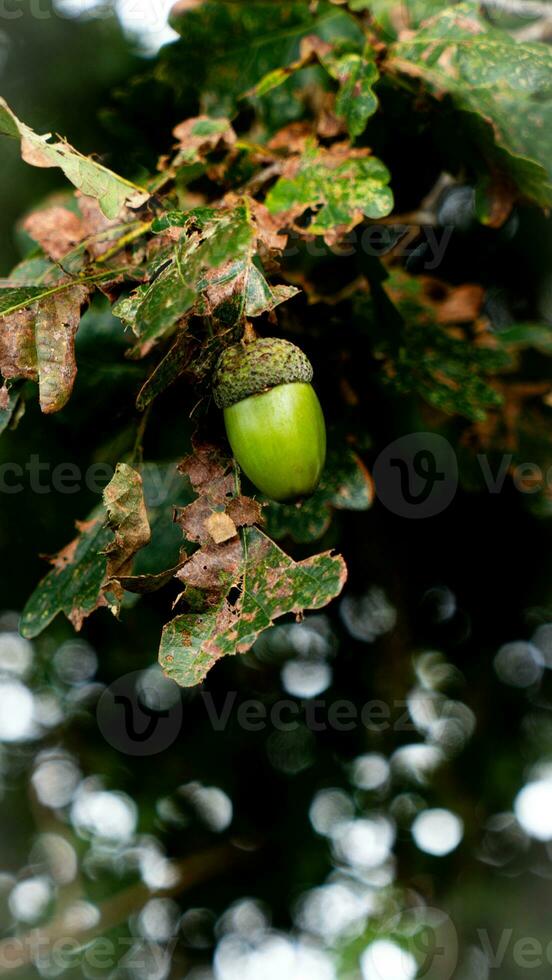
{"points": [[189, 256]]}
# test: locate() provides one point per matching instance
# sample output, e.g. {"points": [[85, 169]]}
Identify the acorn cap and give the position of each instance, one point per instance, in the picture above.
{"points": [[249, 369]]}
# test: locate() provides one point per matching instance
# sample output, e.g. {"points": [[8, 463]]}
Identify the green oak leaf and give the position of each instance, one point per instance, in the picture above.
{"points": [[355, 70], [357, 75], [504, 85], [341, 186], [227, 48], [392, 17]]}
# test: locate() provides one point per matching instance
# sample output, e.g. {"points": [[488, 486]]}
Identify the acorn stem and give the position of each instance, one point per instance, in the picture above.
{"points": [[249, 333]]}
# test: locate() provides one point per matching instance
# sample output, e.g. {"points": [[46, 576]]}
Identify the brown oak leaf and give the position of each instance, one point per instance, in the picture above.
{"points": [[57, 230]]}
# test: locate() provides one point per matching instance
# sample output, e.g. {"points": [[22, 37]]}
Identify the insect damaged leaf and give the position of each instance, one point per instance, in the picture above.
{"points": [[504, 84], [74, 586], [341, 185], [128, 519], [38, 343], [89, 176], [270, 585], [208, 520], [269, 582], [81, 579], [229, 235]]}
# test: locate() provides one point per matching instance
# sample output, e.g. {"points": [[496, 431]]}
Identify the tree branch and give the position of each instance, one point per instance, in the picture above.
{"points": [[19, 951]]}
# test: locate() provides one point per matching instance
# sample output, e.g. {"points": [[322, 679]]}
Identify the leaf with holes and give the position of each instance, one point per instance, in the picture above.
{"points": [[271, 585], [114, 193], [340, 185]]}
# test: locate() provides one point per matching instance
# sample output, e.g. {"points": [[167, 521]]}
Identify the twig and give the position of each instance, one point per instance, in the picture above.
{"points": [[19, 951]]}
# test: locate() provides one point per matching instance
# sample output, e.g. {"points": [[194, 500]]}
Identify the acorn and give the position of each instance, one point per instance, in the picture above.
{"points": [[272, 415]]}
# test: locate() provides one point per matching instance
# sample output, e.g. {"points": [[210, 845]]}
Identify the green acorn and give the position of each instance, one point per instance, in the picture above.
{"points": [[273, 418]]}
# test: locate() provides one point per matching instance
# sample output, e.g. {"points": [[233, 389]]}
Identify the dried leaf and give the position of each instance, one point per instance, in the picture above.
{"points": [[17, 346], [57, 230], [56, 323], [199, 136], [128, 519]]}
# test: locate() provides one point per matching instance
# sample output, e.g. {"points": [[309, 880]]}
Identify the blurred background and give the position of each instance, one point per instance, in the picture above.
{"points": [[410, 835]]}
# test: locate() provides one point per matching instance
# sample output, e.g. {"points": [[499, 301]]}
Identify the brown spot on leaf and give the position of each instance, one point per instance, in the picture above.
{"points": [[292, 138], [220, 527], [17, 345], [213, 567]]}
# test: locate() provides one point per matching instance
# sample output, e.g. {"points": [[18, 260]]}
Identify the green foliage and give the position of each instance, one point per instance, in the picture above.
{"points": [[498, 81], [356, 74], [74, 584], [449, 372], [242, 49], [340, 186], [186, 258]]}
